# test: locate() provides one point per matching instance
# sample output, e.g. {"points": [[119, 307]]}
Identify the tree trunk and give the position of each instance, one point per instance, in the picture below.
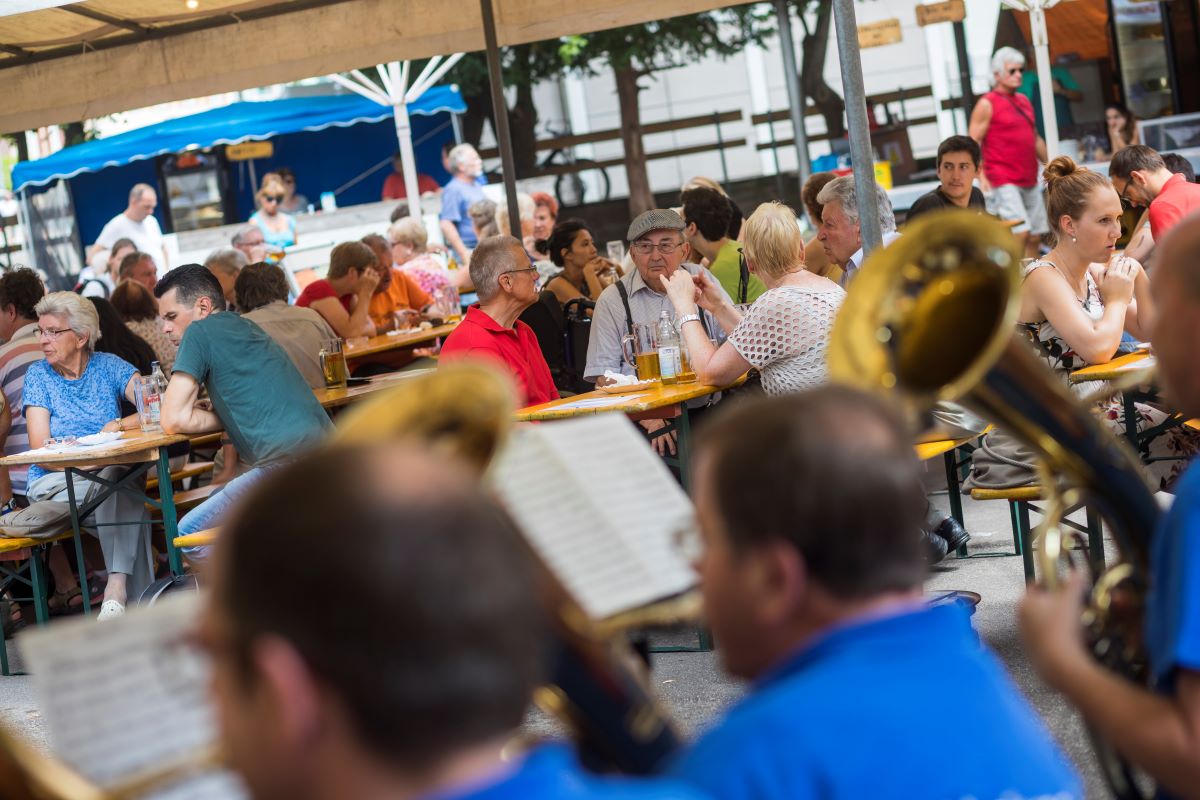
{"points": [[640, 197], [812, 72], [479, 111], [73, 134], [522, 125], [18, 140]]}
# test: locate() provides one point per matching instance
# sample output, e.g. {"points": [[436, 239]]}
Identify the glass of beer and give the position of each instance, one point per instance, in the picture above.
{"points": [[333, 364], [686, 373], [640, 350]]}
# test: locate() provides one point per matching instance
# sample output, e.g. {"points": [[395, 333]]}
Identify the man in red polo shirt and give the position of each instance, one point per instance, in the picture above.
{"points": [[1141, 178], [507, 284]]}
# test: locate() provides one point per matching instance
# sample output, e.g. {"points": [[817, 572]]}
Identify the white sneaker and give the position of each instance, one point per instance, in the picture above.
{"points": [[110, 609]]}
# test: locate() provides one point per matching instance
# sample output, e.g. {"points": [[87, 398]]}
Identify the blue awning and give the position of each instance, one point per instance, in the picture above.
{"points": [[237, 122]]}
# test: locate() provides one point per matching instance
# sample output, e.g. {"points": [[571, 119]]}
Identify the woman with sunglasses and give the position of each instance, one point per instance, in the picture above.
{"points": [[278, 228]]}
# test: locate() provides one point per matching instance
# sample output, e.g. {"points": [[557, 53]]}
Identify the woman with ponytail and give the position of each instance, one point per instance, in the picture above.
{"points": [[582, 272], [1079, 300]]}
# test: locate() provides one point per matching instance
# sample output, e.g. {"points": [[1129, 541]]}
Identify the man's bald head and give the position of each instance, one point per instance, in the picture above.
{"points": [[1175, 282], [400, 585], [1179, 255]]}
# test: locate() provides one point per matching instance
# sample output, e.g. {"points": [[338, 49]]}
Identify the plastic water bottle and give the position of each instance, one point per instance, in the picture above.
{"points": [[154, 403], [670, 361]]}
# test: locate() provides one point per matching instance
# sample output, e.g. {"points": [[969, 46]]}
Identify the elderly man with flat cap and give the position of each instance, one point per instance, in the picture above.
{"points": [[658, 248]]}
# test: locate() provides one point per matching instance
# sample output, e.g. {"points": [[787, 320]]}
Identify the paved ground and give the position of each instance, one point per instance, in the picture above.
{"points": [[695, 690]]}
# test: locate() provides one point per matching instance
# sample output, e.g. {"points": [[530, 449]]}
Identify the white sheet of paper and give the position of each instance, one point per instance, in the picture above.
{"points": [[601, 402], [123, 697], [599, 508]]}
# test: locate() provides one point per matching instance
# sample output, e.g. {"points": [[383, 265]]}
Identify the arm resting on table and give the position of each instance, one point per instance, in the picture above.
{"points": [[180, 414]]}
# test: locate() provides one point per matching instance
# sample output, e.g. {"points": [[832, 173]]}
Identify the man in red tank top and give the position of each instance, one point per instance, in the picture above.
{"points": [[1003, 124]]}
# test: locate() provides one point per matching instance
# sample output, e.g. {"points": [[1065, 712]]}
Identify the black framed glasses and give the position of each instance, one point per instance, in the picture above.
{"points": [[51, 333], [1126, 202], [646, 248]]}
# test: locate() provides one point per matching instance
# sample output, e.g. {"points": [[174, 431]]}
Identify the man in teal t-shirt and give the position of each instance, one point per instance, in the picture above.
{"points": [[1066, 91], [258, 396], [707, 214]]}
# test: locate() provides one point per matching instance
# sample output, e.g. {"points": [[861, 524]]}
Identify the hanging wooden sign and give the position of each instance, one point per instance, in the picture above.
{"points": [[877, 34], [248, 150], [949, 11]]}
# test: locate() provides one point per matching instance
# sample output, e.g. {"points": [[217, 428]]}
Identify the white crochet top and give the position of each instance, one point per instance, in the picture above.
{"points": [[785, 334]]}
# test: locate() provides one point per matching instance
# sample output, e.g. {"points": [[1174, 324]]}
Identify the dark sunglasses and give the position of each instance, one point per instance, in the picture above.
{"points": [[1015, 70], [278, 198]]}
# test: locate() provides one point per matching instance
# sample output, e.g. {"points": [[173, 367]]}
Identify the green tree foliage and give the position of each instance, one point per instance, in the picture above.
{"points": [[637, 52]]}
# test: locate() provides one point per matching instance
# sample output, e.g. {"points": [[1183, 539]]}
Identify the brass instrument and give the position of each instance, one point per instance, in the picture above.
{"points": [[465, 410], [933, 317]]}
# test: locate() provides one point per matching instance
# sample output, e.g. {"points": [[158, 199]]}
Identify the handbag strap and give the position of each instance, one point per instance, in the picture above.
{"points": [[621, 290], [1010, 98]]}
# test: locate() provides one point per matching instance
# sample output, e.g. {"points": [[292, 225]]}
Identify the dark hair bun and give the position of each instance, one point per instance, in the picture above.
{"points": [[1060, 167]]}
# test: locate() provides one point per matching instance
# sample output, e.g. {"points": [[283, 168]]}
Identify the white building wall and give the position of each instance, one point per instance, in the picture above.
{"points": [[753, 81]]}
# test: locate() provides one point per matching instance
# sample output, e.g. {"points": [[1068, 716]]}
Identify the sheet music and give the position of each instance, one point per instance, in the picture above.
{"points": [[124, 697], [600, 508]]}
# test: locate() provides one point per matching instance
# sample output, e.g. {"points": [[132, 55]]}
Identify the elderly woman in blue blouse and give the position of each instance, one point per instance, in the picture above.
{"points": [[75, 392]]}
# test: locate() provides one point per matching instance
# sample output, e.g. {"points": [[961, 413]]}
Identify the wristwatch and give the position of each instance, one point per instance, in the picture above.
{"points": [[685, 319]]}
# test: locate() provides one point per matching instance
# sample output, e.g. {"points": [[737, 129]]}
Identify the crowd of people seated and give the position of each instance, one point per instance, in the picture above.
{"points": [[800, 613]]}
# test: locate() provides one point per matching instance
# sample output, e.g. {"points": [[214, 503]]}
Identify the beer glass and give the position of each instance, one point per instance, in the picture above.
{"points": [[640, 350], [333, 363]]}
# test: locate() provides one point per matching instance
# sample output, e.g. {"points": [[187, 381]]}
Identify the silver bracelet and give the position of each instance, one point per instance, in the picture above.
{"points": [[686, 318]]}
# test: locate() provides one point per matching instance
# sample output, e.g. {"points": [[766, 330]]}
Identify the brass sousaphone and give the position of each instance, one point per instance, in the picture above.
{"points": [[933, 317]]}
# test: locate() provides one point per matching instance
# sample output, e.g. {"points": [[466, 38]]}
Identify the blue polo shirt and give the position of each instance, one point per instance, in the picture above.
{"points": [[457, 197], [1173, 601], [881, 708], [551, 772]]}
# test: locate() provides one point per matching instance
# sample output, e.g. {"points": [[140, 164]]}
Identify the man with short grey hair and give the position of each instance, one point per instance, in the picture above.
{"points": [[457, 197], [507, 283], [658, 248], [1003, 124], [136, 223], [225, 264], [250, 241], [841, 233]]}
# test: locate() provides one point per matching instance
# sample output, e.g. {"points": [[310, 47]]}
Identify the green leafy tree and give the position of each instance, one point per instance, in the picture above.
{"points": [[637, 52], [524, 66]]}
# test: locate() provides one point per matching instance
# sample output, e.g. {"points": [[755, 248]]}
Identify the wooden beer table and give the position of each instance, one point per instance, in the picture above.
{"points": [[668, 403], [1140, 363], [336, 398], [136, 450], [394, 349]]}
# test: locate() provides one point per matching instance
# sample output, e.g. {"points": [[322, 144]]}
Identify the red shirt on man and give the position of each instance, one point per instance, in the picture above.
{"points": [[1177, 199], [319, 290], [480, 336], [395, 189]]}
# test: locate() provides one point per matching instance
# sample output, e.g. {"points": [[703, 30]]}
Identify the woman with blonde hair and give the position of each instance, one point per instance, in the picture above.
{"points": [[77, 391], [278, 228], [409, 241], [784, 333], [1080, 298]]}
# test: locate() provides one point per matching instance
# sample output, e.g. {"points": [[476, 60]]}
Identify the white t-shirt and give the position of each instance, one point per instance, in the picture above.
{"points": [[147, 235]]}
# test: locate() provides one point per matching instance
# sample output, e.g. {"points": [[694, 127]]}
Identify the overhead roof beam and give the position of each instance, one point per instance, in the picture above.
{"points": [[15, 51], [141, 33], [107, 19]]}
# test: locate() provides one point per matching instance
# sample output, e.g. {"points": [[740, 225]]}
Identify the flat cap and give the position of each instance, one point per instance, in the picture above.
{"points": [[656, 219]]}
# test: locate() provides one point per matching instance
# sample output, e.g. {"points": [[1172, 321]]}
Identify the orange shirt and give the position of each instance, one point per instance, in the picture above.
{"points": [[404, 292]]}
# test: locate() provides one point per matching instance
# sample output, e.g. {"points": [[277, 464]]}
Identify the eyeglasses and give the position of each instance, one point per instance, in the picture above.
{"points": [[50, 333], [514, 271], [278, 198], [1126, 202], [1015, 70], [646, 248]]}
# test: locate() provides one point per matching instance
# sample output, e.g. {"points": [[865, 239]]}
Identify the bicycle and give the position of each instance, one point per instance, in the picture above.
{"points": [[570, 188]]}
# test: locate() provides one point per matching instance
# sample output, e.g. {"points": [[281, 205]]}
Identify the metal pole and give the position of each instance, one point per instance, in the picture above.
{"points": [[861, 153], [408, 158], [500, 117], [796, 101], [1041, 49], [964, 67]]}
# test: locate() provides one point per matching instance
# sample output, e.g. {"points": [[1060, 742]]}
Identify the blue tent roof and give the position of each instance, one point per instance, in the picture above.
{"points": [[237, 122]]}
